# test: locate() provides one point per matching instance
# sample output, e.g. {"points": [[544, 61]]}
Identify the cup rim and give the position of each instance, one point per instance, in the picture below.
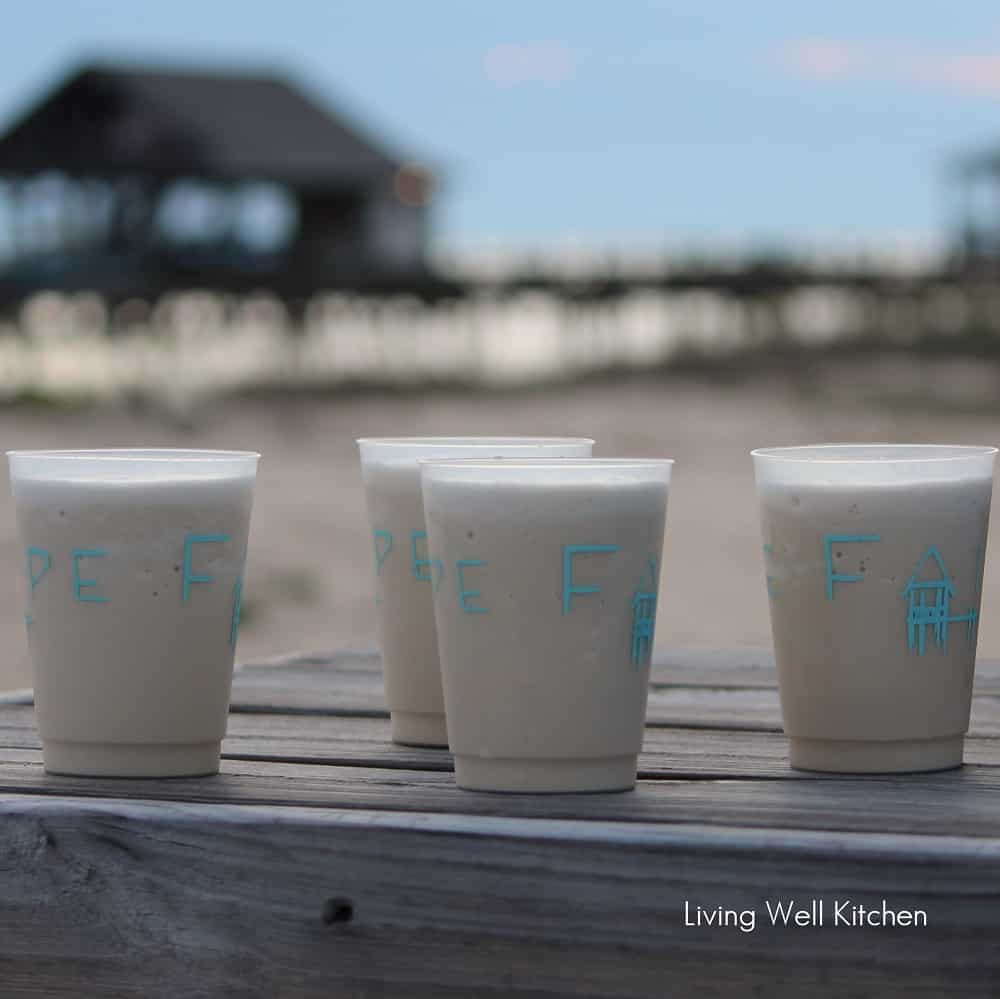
{"points": [[471, 441], [813, 453], [165, 454], [532, 461]]}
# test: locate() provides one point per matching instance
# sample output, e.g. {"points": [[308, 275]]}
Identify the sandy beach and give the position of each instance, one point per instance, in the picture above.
{"points": [[309, 583]]}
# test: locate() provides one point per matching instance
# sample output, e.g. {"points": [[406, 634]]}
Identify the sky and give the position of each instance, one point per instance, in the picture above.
{"points": [[703, 123]]}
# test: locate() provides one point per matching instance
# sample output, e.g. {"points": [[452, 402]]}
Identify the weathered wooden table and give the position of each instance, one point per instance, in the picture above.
{"points": [[325, 861]]}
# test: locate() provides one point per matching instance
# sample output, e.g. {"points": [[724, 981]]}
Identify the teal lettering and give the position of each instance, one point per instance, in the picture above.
{"points": [[465, 595], [189, 542], [569, 588], [79, 585]]}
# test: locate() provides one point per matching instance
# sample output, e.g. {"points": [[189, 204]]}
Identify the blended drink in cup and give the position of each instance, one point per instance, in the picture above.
{"points": [[545, 616], [133, 567], [874, 556], [405, 573]]}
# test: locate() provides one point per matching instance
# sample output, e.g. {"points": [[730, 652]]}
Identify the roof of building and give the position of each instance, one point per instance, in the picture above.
{"points": [[110, 120]]}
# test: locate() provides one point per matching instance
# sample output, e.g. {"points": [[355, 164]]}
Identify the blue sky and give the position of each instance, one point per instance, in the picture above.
{"points": [[701, 122]]}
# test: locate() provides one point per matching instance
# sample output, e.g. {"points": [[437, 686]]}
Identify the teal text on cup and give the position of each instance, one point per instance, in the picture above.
{"points": [[928, 592], [39, 562], [642, 602]]}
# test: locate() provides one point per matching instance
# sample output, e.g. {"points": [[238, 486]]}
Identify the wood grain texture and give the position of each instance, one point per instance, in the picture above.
{"points": [[216, 886], [966, 800], [354, 741], [107, 897], [731, 687], [735, 690]]}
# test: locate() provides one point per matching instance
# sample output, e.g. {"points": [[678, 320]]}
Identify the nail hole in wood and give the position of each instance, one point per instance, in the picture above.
{"points": [[338, 910]]}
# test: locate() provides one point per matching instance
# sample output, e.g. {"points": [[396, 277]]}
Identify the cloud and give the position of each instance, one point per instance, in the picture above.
{"points": [[909, 66], [824, 59], [966, 74], [509, 65]]}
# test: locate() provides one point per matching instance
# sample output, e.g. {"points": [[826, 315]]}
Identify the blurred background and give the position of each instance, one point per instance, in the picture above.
{"points": [[685, 229]]}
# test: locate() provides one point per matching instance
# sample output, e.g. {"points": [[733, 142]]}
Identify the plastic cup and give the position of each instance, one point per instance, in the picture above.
{"points": [[133, 569], [545, 616], [874, 556], [405, 573]]}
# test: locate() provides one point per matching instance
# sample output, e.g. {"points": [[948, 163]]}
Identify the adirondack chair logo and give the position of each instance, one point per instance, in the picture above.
{"points": [[929, 604], [644, 615]]}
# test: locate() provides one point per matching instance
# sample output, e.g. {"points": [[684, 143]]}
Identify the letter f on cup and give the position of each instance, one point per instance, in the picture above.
{"points": [[569, 588], [839, 577]]}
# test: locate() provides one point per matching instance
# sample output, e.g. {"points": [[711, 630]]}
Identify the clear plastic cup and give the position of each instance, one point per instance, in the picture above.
{"points": [[405, 573], [133, 574], [874, 559], [545, 615]]}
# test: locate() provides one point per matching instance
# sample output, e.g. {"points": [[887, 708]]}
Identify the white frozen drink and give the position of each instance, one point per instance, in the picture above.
{"points": [[874, 558], [133, 568], [545, 616], [405, 573]]}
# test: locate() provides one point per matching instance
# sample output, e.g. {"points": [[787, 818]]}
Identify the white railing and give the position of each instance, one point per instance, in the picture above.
{"points": [[194, 345]]}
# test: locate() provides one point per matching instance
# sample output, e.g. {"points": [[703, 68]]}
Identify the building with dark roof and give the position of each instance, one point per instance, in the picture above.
{"points": [[135, 181]]}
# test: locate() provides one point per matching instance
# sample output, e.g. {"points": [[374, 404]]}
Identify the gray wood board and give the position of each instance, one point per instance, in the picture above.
{"points": [[349, 682], [737, 668], [734, 690], [335, 739], [134, 899], [203, 887], [750, 709], [965, 801]]}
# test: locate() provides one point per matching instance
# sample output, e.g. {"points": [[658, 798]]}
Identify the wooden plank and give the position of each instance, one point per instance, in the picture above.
{"points": [[749, 665], [736, 666], [144, 900], [335, 740], [211, 886], [753, 709], [759, 710], [666, 751], [753, 667], [301, 682], [349, 683], [933, 804], [706, 688]]}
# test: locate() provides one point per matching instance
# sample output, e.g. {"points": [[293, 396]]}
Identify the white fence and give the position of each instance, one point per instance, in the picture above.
{"points": [[194, 345]]}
